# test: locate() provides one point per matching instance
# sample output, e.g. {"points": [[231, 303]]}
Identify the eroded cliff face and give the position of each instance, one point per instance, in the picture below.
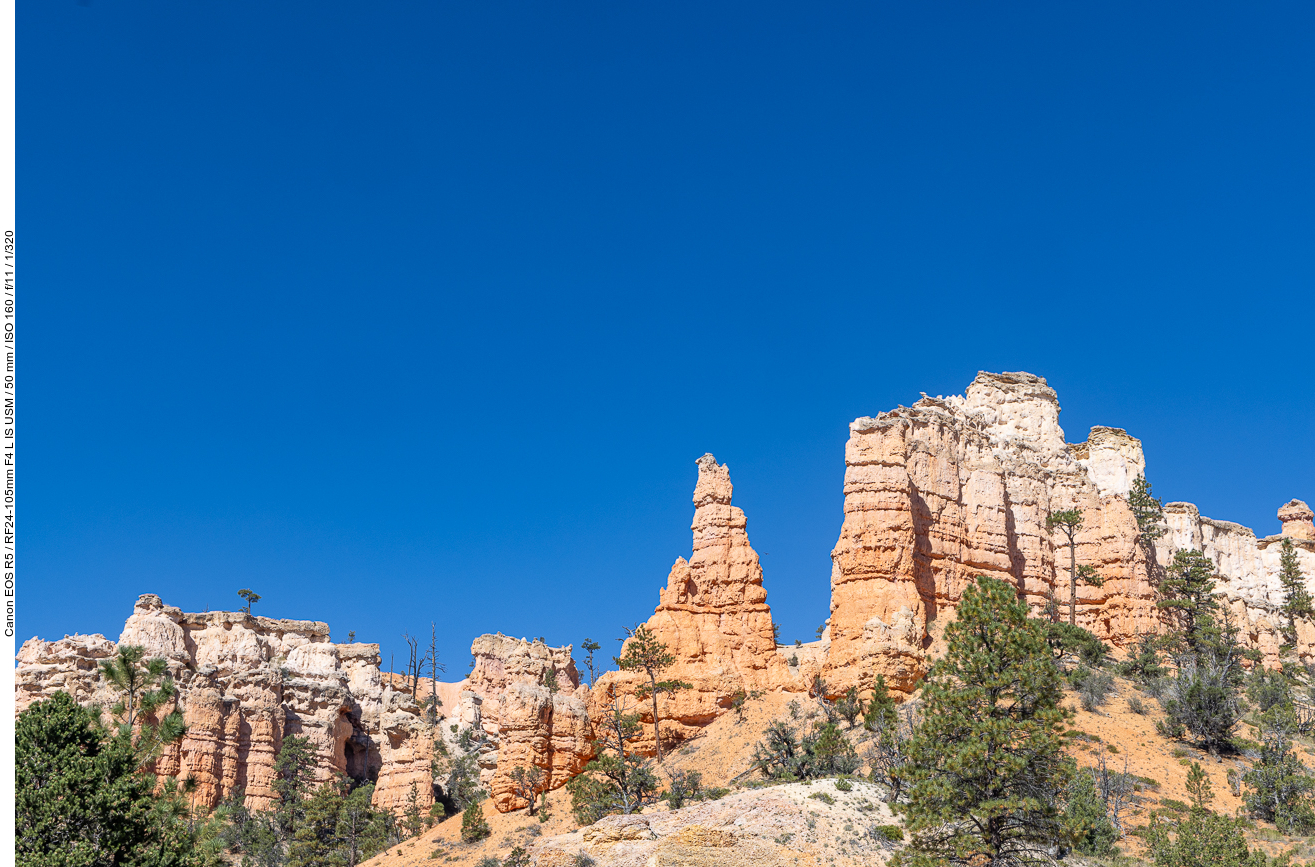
{"points": [[528, 721], [1248, 568], [244, 684], [952, 488], [714, 619]]}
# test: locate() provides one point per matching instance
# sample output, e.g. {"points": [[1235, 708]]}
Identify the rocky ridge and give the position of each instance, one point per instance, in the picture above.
{"points": [[934, 495]]}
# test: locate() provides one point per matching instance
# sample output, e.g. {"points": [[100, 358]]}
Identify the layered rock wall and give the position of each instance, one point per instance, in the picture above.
{"points": [[244, 684], [952, 488], [527, 720]]}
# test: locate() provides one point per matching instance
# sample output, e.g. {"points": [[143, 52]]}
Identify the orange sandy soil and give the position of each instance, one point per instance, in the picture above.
{"points": [[722, 753]]}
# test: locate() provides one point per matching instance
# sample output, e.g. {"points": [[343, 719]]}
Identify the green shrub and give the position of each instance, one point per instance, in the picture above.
{"points": [[685, 786], [473, 825], [1203, 839], [823, 797], [1085, 815], [891, 833], [843, 785], [1136, 705]]}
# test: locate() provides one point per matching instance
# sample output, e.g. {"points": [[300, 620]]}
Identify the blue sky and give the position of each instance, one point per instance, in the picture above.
{"points": [[423, 313]]}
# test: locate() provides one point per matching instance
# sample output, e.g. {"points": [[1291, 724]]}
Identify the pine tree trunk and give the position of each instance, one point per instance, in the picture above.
{"points": [[1072, 582], [657, 736]]}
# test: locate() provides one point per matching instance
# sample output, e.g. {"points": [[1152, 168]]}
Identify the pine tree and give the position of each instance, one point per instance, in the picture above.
{"points": [[474, 827], [1148, 512], [80, 800], [294, 767], [1279, 787], [315, 843], [1188, 599], [527, 783], [618, 780], [251, 598], [986, 765], [145, 687], [589, 646], [1297, 602], [888, 755], [643, 652], [1069, 521]]}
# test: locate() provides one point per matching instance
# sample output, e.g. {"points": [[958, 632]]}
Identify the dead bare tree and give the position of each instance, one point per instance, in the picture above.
{"points": [[527, 783], [434, 668], [413, 665], [1115, 790]]}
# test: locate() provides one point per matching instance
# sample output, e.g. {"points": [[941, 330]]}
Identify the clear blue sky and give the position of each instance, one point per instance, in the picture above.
{"points": [[425, 312]]}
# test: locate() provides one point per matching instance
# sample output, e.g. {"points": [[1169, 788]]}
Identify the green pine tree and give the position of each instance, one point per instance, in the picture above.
{"points": [[1069, 522], [80, 800], [1204, 838], [643, 652], [474, 827], [1147, 510], [144, 687], [986, 765], [1278, 786], [619, 779], [295, 769], [1297, 602], [1188, 600], [315, 842]]}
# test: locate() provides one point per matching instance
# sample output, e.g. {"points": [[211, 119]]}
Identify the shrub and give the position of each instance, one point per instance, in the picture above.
{"points": [[1203, 839], [1085, 815], [850, 706], [1144, 662], [823, 797], [488, 861], [1201, 701], [1267, 688], [843, 785], [1067, 642], [685, 786], [582, 860], [823, 752], [518, 857], [1136, 705], [887, 833], [473, 825], [1095, 689], [716, 793], [1278, 786]]}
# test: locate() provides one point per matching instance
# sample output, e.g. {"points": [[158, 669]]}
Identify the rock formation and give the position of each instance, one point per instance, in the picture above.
{"points": [[244, 684], [529, 718], [712, 616], [1297, 520], [934, 495], [952, 488]]}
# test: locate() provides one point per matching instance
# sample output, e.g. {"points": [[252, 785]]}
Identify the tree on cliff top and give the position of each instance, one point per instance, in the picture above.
{"points": [[643, 652], [986, 766], [1069, 521], [1297, 602], [251, 597]]}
